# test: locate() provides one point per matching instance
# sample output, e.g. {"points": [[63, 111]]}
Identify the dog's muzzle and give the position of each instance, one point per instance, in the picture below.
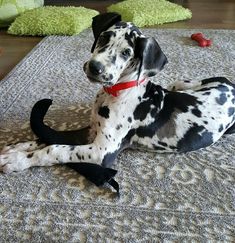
{"points": [[95, 72]]}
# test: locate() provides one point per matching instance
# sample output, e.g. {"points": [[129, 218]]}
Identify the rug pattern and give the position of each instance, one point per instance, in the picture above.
{"points": [[164, 197]]}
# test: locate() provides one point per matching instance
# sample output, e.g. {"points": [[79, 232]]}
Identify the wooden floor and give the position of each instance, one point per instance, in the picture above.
{"points": [[212, 14]]}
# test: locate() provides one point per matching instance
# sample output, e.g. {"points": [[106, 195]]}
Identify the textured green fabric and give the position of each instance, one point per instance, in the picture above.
{"points": [[53, 21], [10, 9], [150, 12]]}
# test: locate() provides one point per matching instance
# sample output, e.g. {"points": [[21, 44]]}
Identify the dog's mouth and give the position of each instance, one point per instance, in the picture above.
{"points": [[95, 80]]}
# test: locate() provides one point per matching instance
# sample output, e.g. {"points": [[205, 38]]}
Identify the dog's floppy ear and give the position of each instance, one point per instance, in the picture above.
{"points": [[152, 58], [101, 23]]}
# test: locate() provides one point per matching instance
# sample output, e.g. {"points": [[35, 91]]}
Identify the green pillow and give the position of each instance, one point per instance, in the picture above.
{"points": [[150, 12], [10, 9], [53, 21]]}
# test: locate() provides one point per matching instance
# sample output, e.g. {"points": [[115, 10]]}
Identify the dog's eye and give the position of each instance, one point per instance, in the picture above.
{"points": [[126, 53]]}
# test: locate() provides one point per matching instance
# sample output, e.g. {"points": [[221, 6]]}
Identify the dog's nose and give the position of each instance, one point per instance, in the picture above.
{"points": [[96, 67]]}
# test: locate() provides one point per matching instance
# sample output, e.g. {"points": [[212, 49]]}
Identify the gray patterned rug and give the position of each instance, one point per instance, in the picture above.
{"points": [[164, 197]]}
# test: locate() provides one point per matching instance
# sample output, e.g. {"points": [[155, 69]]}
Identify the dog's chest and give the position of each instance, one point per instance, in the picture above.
{"points": [[116, 112]]}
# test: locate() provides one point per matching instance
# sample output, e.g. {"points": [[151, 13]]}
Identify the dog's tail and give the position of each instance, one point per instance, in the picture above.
{"points": [[48, 135]]}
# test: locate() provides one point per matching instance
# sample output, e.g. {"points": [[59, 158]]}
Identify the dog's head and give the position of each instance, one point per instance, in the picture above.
{"points": [[121, 52]]}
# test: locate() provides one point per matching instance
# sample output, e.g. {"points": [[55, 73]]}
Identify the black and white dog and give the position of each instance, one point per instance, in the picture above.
{"points": [[130, 110]]}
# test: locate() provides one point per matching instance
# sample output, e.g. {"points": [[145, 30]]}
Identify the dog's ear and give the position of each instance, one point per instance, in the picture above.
{"points": [[152, 58], [101, 23]]}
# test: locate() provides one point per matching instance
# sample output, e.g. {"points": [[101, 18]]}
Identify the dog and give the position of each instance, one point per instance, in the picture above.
{"points": [[130, 110]]}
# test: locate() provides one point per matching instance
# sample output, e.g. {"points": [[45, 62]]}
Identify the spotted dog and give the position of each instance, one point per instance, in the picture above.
{"points": [[130, 111]]}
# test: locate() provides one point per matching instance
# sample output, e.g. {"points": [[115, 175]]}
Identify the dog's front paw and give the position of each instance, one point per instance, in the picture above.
{"points": [[15, 161]]}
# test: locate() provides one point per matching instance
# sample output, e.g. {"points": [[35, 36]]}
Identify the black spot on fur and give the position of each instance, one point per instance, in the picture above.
{"points": [[113, 60], [130, 42], [119, 126], [30, 155], [129, 119], [110, 76], [196, 112], [221, 99], [78, 156], [72, 147], [162, 144], [206, 93], [151, 73], [104, 111], [231, 111], [221, 128]]}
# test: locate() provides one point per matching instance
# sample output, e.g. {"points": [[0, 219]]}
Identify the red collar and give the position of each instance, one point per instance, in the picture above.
{"points": [[114, 90]]}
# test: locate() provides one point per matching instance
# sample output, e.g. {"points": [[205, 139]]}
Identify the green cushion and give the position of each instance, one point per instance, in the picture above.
{"points": [[53, 21], [147, 12], [10, 9]]}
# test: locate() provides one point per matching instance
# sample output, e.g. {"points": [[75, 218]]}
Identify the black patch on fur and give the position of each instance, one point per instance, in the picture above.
{"points": [[142, 110], [195, 138], [109, 158], [206, 93], [104, 111], [221, 99], [172, 103], [72, 147], [216, 79], [104, 39], [78, 156], [221, 128], [162, 144], [206, 89], [128, 37], [110, 77], [129, 119], [152, 97], [120, 24], [119, 126], [196, 112], [130, 134], [231, 111], [113, 60]]}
